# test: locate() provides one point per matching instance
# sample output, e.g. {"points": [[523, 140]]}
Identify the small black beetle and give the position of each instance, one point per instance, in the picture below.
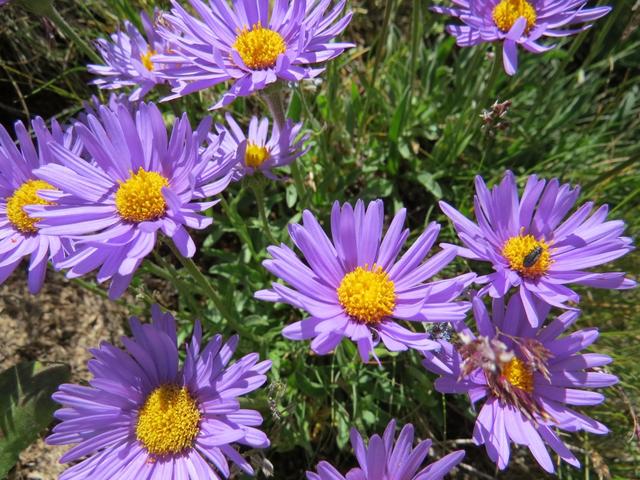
{"points": [[532, 257]]}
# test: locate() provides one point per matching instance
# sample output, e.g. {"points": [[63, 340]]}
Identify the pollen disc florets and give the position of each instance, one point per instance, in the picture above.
{"points": [[367, 295], [510, 377], [145, 58], [259, 47], [507, 12], [26, 194], [518, 374], [140, 199], [169, 421], [255, 155], [528, 256]]}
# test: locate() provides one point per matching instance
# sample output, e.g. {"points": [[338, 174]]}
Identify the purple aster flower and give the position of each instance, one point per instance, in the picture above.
{"points": [[3, 2], [256, 151], [531, 247], [145, 416], [139, 181], [518, 22], [19, 187], [129, 59], [355, 287], [527, 376], [93, 105], [382, 460], [248, 45]]}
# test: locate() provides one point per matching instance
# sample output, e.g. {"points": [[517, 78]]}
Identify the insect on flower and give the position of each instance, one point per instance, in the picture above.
{"points": [[524, 380], [537, 244], [532, 257]]}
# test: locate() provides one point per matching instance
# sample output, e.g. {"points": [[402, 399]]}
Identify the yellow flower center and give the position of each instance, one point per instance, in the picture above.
{"points": [[507, 12], [367, 295], [255, 155], [26, 194], [528, 256], [518, 374], [140, 199], [259, 47], [169, 421], [146, 59]]}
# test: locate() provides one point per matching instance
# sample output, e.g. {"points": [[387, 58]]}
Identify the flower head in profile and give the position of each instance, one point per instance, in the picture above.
{"points": [[533, 247], [94, 104], [20, 235], [250, 44], [139, 181], [518, 22], [355, 285], [259, 152], [387, 459], [129, 59], [528, 378], [144, 415]]}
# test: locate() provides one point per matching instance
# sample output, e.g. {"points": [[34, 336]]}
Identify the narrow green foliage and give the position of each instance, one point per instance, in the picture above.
{"points": [[26, 406]]}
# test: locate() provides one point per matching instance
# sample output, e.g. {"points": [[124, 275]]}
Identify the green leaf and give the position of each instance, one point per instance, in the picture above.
{"points": [[313, 389], [295, 107], [368, 417], [26, 406], [429, 182], [397, 121], [291, 195]]}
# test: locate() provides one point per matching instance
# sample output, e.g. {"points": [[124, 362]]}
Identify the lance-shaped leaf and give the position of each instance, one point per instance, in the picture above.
{"points": [[26, 407]]}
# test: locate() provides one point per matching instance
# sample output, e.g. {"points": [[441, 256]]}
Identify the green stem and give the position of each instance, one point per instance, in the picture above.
{"points": [[165, 90], [379, 45], [274, 100], [493, 76], [93, 288], [486, 93], [381, 40], [208, 289], [299, 183], [68, 30], [416, 41], [239, 226], [167, 272], [205, 285], [258, 191]]}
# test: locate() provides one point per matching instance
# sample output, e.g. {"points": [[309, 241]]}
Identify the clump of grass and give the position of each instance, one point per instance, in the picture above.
{"points": [[43, 73]]}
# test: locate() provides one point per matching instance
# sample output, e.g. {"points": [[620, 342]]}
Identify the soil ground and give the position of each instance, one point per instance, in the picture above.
{"points": [[57, 325]]}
